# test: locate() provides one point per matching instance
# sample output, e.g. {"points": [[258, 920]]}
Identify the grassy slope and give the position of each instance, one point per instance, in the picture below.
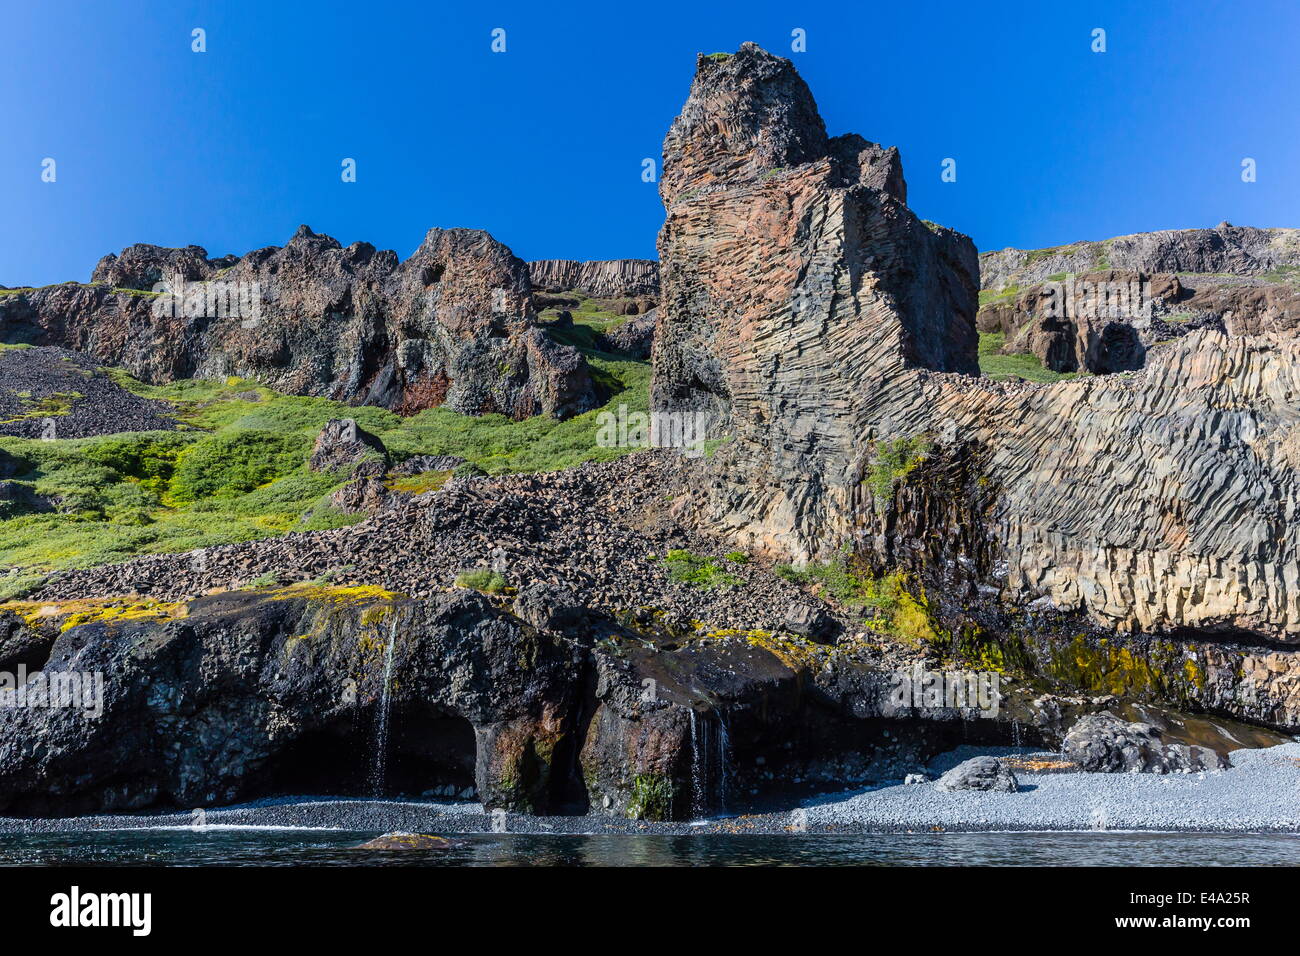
{"points": [[1021, 365], [237, 471]]}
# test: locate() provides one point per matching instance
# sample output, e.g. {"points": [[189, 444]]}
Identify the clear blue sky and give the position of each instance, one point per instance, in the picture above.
{"points": [[542, 145]]}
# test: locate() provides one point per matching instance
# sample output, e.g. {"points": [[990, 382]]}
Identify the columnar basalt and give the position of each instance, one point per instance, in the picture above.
{"points": [[603, 278], [819, 323]]}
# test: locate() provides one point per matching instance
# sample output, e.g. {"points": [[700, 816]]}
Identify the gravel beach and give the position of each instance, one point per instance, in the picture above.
{"points": [[1259, 793]]}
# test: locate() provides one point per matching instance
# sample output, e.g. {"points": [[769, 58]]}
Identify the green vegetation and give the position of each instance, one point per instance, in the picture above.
{"points": [[1020, 365], [737, 557], [888, 603], [998, 296], [652, 797], [698, 571], [893, 460], [482, 579], [1282, 274], [718, 57], [236, 469]]}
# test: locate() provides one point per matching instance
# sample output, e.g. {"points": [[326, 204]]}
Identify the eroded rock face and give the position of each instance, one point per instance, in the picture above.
{"points": [[1106, 321], [452, 325], [342, 444], [1164, 500], [246, 694], [786, 254]]}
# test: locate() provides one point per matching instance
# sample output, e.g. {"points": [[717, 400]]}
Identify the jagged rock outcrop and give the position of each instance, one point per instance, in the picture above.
{"points": [[1225, 249], [787, 253], [602, 279], [452, 325], [634, 337], [342, 444], [813, 317]]}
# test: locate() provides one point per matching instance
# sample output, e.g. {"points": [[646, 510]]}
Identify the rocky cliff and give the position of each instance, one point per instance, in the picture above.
{"points": [[1224, 250], [790, 264], [1160, 501], [1099, 307], [602, 279], [452, 325]]}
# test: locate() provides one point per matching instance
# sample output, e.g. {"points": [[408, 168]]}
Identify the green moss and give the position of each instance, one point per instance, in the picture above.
{"points": [[1001, 367], [482, 579], [893, 604], [893, 461], [698, 571], [717, 57], [652, 797], [236, 471]]}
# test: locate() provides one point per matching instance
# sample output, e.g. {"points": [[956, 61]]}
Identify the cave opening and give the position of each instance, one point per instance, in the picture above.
{"points": [[426, 750]]}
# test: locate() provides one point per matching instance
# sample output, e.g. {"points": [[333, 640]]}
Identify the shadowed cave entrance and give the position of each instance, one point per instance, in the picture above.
{"points": [[425, 748]]}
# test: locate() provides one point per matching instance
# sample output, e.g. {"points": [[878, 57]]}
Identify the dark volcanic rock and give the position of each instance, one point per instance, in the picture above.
{"points": [[1102, 743], [635, 337], [780, 240], [57, 393], [249, 694], [452, 325], [343, 444]]}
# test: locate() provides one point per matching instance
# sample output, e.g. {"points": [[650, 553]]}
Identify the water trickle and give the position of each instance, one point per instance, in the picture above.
{"points": [[379, 765], [710, 763]]}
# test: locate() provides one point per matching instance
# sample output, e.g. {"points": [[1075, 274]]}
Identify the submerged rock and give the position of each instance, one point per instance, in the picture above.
{"points": [[411, 841], [1102, 743]]}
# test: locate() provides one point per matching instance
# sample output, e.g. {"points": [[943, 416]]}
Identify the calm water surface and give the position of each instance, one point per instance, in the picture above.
{"points": [[275, 847]]}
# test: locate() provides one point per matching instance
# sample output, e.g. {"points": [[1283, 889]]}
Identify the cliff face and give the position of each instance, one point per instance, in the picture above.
{"points": [[1159, 501], [1100, 306], [452, 325], [1224, 250], [607, 278], [789, 262]]}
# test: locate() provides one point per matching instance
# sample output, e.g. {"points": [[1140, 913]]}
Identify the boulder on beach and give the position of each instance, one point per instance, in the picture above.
{"points": [[1102, 743], [979, 773]]}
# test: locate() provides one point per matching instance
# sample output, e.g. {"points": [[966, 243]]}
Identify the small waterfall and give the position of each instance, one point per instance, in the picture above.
{"points": [[379, 766], [710, 763]]}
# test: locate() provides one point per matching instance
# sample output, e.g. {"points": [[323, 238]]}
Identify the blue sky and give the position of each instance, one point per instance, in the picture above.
{"points": [[542, 145]]}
